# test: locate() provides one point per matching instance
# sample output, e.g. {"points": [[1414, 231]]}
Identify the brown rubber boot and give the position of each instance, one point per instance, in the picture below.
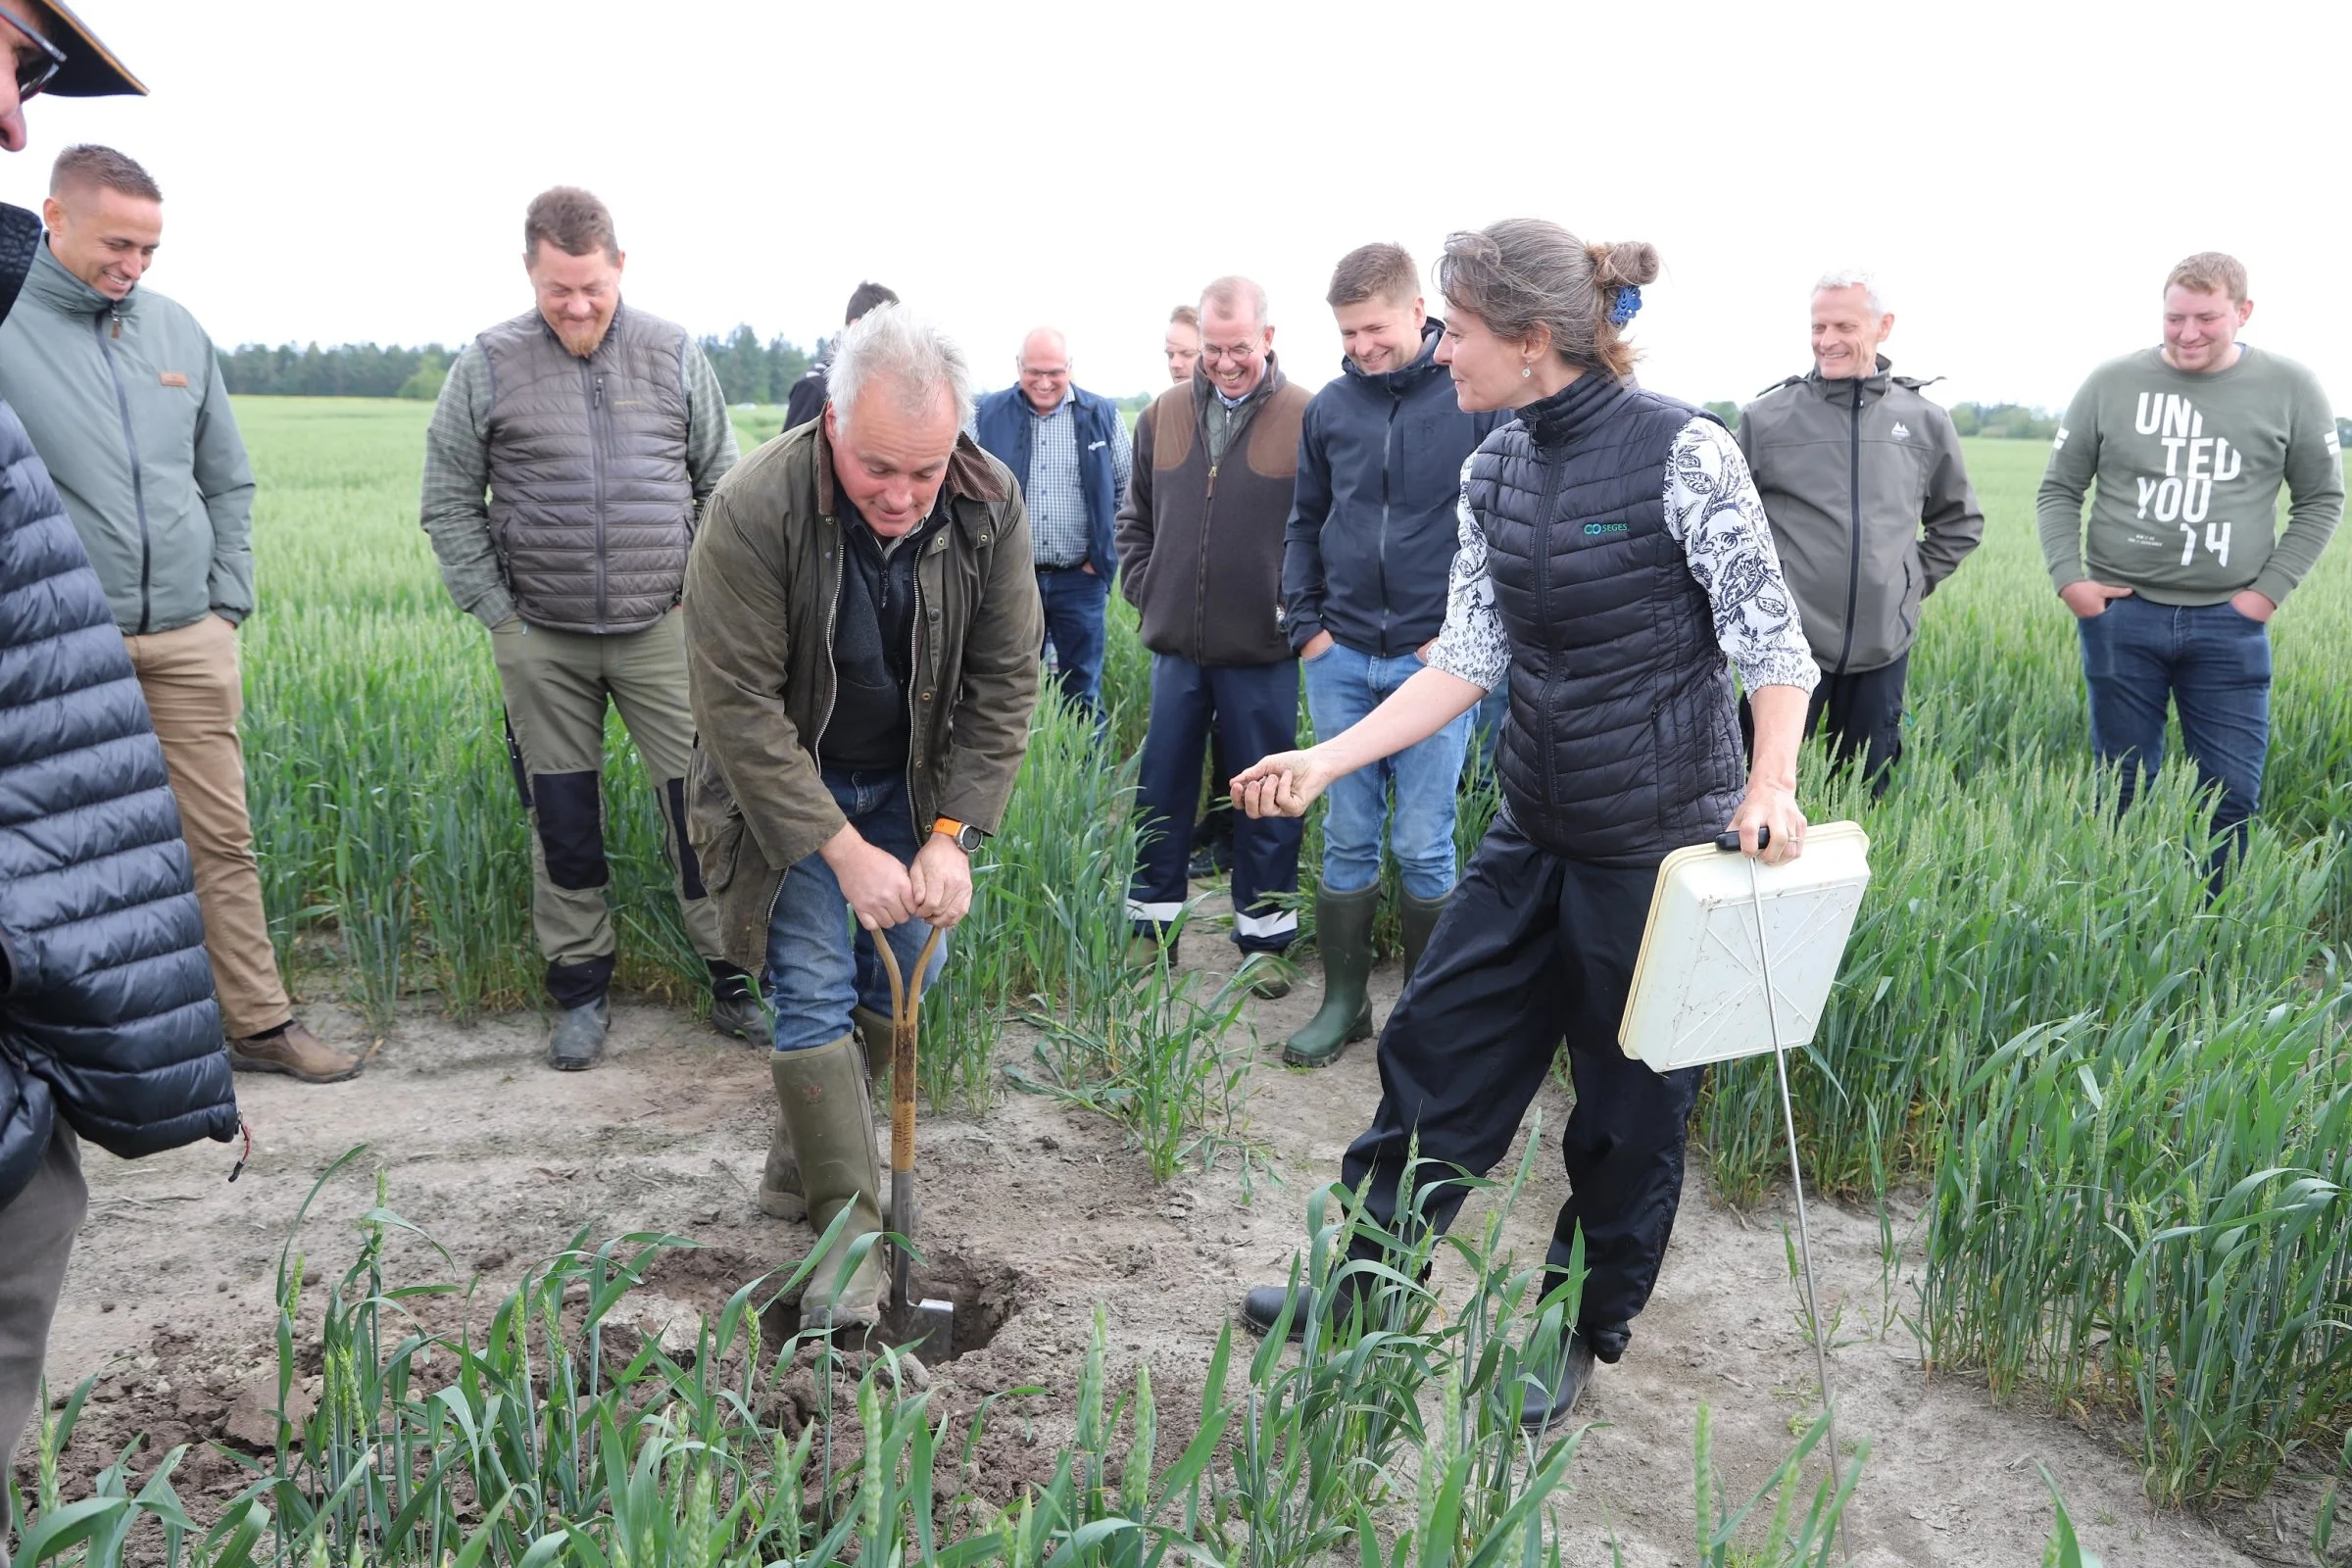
{"points": [[297, 1053], [830, 1120]]}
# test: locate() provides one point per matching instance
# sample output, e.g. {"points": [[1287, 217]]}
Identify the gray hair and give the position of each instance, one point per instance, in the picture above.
{"points": [[1857, 277], [902, 348], [1231, 294]]}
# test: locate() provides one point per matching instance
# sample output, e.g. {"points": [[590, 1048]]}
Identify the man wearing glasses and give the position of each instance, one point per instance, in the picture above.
{"points": [[108, 1028], [1070, 449], [1199, 542]]}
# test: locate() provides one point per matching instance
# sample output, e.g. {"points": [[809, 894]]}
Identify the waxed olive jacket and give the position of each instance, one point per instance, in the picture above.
{"points": [[762, 587]]}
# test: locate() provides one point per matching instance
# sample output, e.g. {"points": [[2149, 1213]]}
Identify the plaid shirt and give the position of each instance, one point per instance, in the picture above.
{"points": [[1058, 525]]}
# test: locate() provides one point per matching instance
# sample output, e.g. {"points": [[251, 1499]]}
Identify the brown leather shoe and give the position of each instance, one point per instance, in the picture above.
{"points": [[294, 1050]]}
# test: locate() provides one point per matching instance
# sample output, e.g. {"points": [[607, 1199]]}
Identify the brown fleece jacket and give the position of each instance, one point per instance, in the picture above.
{"points": [[1200, 547]]}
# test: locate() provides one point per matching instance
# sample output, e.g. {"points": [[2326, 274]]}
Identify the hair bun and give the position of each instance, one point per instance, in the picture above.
{"points": [[1634, 262]]}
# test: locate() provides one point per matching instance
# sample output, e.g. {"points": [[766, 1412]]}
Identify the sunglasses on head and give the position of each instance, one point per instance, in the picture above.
{"points": [[37, 69]]}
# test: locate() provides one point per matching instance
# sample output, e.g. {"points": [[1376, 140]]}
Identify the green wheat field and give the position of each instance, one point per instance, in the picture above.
{"points": [[2130, 1106]]}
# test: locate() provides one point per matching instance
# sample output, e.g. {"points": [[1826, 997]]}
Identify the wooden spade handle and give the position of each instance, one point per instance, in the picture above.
{"points": [[905, 1011]]}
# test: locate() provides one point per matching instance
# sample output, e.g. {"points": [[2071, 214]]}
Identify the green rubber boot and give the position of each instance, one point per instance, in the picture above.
{"points": [[780, 1194], [1418, 917], [830, 1120], [1344, 936], [876, 1039]]}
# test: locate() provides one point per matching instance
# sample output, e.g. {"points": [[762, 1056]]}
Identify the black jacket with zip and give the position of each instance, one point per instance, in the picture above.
{"points": [[1870, 507], [1375, 521]]}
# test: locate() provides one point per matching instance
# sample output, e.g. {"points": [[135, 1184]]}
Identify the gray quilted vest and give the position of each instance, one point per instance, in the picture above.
{"points": [[590, 502]]}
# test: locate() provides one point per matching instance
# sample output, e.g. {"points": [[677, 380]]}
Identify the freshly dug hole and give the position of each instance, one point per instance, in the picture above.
{"points": [[985, 1296]]}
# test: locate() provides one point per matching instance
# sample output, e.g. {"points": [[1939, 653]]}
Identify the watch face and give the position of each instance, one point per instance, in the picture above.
{"points": [[969, 839]]}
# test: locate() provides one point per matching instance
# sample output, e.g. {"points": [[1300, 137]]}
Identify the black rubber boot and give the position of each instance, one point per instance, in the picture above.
{"points": [[1261, 1305], [1344, 936], [1550, 1407], [1418, 917]]}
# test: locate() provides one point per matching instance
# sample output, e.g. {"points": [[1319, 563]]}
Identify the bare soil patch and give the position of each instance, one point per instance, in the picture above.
{"points": [[1033, 1213]]}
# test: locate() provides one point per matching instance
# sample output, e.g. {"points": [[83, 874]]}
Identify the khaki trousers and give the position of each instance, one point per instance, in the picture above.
{"points": [[196, 695], [36, 1233], [556, 684]]}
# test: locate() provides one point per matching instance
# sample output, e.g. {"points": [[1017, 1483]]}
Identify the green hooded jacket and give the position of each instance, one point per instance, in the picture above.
{"points": [[126, 404]]}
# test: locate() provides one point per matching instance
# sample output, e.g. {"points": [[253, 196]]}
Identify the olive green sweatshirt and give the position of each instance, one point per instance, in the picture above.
{"points": [[2189, 470]]}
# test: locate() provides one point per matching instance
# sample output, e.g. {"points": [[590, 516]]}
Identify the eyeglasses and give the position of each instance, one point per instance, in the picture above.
{"points": [[35, 71], [1239, 350], [1046, 373]]}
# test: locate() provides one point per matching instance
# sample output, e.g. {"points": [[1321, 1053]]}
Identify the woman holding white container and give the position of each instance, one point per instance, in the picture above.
{"points": [[1616, 564]]}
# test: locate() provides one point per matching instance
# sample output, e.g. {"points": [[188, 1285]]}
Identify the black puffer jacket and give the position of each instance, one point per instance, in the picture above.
{"points": [[1623, 741], [107, 1015]]}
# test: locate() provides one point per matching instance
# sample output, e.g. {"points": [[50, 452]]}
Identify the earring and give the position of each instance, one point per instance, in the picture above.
{"points": [[1527, 372]]}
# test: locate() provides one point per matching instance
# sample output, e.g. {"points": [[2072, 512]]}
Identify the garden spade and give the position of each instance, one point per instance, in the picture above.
{"points": [[930, 1319]]}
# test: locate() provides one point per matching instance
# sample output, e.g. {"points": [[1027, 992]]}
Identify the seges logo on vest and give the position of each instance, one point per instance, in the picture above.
{"points": [[1595, 530]]}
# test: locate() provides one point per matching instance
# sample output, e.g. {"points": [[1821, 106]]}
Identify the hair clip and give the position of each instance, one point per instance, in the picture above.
{"points": [[1629, 303]]}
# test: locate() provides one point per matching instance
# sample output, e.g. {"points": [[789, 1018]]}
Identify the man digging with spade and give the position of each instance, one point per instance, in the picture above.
{"points": [[862, 634]]}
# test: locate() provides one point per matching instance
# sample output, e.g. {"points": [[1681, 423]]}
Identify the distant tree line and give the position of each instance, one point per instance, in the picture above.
{"points": [[2013, 421], [346, 371], [749, 371]]}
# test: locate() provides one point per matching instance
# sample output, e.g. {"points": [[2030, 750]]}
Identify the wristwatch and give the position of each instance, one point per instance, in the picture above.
{"points": [[968, 838]]}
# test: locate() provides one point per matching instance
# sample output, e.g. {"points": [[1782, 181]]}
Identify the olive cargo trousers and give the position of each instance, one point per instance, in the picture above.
{"points": [[557, 685]]}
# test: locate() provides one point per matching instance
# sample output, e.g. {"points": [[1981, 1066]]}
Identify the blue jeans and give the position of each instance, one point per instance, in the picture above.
{"points": [[817, 969], [1074, 602], [2210, 660], [1420, 782]]}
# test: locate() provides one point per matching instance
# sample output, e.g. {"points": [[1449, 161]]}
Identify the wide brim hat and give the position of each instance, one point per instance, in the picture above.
{"points": [[91, 69]]}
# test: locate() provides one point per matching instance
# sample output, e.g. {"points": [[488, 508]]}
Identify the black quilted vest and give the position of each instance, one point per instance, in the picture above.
{"points": [[1623, 741], [590, 502]]}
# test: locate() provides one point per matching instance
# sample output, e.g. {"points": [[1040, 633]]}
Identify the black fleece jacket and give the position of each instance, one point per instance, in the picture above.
{"points": [[1373, 524]]}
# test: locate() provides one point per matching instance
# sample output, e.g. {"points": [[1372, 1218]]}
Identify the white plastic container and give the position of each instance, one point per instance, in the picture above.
{"points": [[1699, 985]]}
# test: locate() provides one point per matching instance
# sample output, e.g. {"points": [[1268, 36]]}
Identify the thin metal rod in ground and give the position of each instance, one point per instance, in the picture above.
{"points": [[1797, 1182]]}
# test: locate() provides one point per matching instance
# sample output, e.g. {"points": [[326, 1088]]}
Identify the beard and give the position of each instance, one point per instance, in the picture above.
{"points": [[583, 339]]}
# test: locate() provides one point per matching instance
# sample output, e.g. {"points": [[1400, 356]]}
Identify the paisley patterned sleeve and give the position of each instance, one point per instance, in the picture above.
{"points": [[1473, 645], [1713, 510]]}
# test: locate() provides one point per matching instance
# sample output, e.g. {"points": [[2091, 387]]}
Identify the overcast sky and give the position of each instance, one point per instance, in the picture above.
{"points": [[2020, 175]]}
